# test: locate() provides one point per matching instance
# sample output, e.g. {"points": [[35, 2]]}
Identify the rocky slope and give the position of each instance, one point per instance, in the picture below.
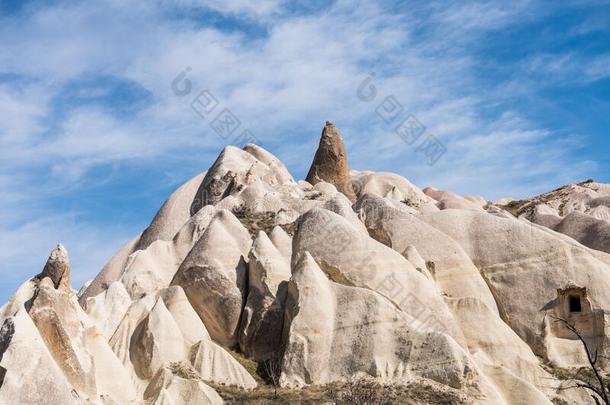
{"points": [[581, 211], [349, 275]]}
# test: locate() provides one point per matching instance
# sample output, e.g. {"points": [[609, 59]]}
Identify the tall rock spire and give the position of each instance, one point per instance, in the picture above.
{"points": [[330, 162], [57, 268]]}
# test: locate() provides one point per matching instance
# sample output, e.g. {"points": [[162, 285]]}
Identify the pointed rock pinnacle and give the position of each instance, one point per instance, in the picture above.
{"points": [[330, 162], [57, 268]]}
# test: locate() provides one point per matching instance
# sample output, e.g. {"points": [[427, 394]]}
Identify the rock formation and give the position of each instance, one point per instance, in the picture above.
{"points": [[330, 162], [346, 275], [57, 268], [581, 211]]}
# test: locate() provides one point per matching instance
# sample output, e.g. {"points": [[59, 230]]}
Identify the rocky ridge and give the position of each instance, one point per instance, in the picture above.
{"points": [[580, 211], [350, 274]]}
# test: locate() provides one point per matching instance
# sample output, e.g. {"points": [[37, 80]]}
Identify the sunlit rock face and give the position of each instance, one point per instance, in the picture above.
{"points": [[580, 211], [349, 274], [330, 162]]}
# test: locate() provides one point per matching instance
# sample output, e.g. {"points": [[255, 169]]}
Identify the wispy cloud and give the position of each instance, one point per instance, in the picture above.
{"points": [[86, 99]]}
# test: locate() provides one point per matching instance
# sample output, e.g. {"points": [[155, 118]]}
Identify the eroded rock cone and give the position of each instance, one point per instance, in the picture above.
{"points": [[330, 162], [57, 268]]}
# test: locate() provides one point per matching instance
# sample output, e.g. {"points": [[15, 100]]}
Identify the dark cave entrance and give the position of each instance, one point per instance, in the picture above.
{"points": [[575, 305]]}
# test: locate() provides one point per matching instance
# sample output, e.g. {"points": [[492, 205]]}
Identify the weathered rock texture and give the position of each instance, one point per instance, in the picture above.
{"points": [[330, 162], [347, 275], [581, 211], [57, 268]]}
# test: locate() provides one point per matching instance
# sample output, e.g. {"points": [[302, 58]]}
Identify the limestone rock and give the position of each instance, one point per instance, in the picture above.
{"points": [[77, 346], [450, 266], [122, 342], [185, 317], [348, 256], [29, 373], [57, 268], [393, 187], [339, 204], [169, 388], [277, 167], [282, 242], [334, 332], [210, 360], [514, 390], [215, 364], [514, 256], [77, 369], [262, 317], [156, 341], [503, 201], [214, 276], [108, 308], [497, 343], [173, 214], [413, 256], [448, 200], [477, 199], [75, 353], [234, 169], [259, 199], [330, 162], [581, 211], [112, 379], [586, 229], [399, 286], [149, 270], [151, 337]]}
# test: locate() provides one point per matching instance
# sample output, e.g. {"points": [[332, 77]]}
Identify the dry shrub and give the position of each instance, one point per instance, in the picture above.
{"points": [[363, 391]]}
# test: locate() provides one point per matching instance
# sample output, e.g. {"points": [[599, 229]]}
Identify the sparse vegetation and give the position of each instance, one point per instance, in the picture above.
{"points": [[255, 221], [520, 207], [589, 378], [417, 392], [183, 370], [260, 221], [363, 392], [270, 370], [410, 203]]}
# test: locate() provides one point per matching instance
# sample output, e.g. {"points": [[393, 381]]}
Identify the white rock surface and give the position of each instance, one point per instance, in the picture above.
{"points": [[31, 375], [263, 314], [167, 388], [335, 332], [392, 186], [525, 266], [350, 257], [400, 286], [214, 276], [213, 363]]}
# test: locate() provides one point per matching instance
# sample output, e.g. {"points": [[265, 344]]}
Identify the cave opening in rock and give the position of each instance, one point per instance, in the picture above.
{"points": [[575, 304]]}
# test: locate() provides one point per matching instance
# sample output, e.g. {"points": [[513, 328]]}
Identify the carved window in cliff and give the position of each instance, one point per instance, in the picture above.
{"points": [[575, 305]]}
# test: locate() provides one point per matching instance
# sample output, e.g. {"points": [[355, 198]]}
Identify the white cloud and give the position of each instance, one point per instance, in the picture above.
{"points": [[568, 68], [598, 68], [282, 84], [304, 71], [23, 107], [248, 8], [484, 15]]}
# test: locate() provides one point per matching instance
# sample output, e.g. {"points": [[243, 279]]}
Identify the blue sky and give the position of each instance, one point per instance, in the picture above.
{"points": [[93, 138]]}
